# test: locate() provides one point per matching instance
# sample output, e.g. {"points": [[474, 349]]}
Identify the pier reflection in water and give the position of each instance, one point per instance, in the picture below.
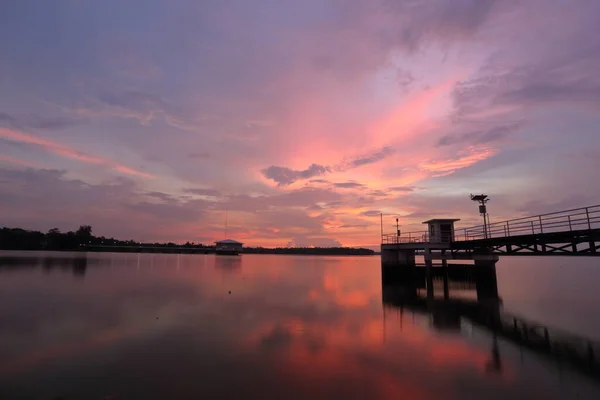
{"points": [[484, 309]]}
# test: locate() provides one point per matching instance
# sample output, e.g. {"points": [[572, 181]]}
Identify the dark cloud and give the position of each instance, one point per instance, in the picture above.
{"points": [[39, 122], [416, 24], [199, 155], [279, 337], [405, 79], [403, 188], [537, 207], [301, 198], [144, 107], [51, 123], [349, 185], [203, 192], [134, 100], [296, 220], [160, 196], [529, 75], [114, 208], [547, 92], [377, 193], [286, 176], [494, 134], [8, 120], [372, 158], [171, 211], [371, 213], [307, 241], [353, 226]]}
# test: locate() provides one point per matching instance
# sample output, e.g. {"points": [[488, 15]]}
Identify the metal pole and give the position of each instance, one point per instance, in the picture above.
{"points": [[381, 227], [225, 232], [587, 213], [541, 227], [569, 217], [485, 231]]}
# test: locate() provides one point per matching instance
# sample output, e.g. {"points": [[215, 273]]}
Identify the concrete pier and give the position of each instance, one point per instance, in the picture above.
{"points": [[398, 265], [398, 256], [485, 278]]}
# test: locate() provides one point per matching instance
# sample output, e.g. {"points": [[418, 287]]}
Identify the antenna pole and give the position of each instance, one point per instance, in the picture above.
{"points": [[225, 223]]}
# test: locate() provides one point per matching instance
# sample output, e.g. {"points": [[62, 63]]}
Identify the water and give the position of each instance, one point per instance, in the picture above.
{"points": [[128, 326]]}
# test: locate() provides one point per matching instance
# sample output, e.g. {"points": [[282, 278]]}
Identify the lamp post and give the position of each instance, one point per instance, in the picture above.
{"points": [[482, 199]]}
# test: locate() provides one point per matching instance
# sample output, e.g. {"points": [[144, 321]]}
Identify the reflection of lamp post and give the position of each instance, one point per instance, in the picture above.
{"points": [[482, 199], [494, 365]]}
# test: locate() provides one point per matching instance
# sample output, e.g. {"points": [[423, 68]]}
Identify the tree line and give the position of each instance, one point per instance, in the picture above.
{"points": [[83, 240], [54, 239]]}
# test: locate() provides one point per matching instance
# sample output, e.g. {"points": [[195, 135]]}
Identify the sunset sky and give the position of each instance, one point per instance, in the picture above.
{"points": [[148, 119]]}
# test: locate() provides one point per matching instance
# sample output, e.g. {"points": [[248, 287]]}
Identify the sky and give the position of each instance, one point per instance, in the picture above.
{"points": [[287, 123]]}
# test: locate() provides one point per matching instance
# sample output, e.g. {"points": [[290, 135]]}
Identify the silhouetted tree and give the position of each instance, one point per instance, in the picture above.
{"points": [[84, 235]]}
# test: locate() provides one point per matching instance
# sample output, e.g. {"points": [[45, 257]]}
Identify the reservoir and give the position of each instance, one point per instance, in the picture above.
{"points": [[169, 326]]}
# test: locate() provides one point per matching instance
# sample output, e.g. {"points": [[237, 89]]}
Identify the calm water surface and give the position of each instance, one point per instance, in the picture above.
{"points": [[128, 326]]}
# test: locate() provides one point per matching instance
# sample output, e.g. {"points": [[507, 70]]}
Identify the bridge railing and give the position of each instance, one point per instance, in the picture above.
{"points": [[562, 221], [577, 219], [408, 237]]}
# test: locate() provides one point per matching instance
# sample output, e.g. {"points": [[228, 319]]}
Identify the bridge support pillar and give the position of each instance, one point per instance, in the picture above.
{"points": [[398, 266], [445, 267], [485, 276], [429, 273]]}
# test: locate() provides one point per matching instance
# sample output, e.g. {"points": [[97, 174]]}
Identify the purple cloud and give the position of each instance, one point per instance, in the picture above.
{"points": [[39, 122], [203, 192], [286, 176], [348, 185], [371, 213], [493, 134], [372, 158]]}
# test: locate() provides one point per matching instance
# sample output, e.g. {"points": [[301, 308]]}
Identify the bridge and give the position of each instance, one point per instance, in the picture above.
{"points": [[574, 232]]}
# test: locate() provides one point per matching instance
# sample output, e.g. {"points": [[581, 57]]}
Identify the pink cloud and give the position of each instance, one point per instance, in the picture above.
{"points": [[18, 161], [68, 152], [465, 158]]}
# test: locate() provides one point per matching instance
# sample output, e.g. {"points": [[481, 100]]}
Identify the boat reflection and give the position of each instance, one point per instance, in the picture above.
{"points": [[229, 264]]}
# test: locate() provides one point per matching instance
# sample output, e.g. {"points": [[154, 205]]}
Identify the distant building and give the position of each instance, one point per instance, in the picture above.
{"points": [[228, 247]]}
